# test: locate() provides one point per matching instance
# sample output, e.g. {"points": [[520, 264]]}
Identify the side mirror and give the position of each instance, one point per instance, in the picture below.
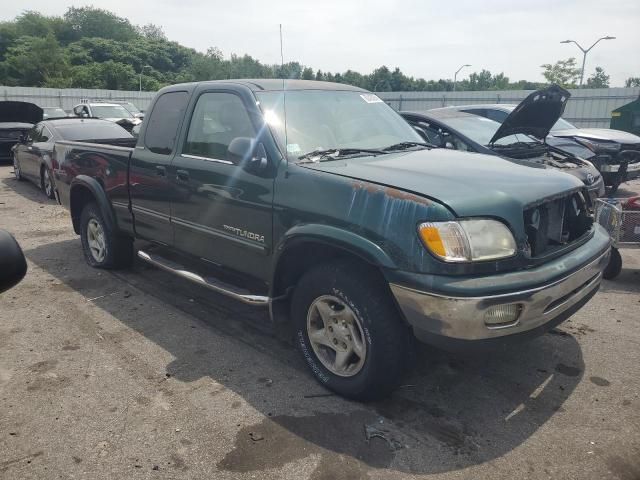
{"points": [[22, 138], [247, 154], [13, 265]]}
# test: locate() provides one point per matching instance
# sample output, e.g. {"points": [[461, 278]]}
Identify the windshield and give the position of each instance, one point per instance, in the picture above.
{"points": [[110, 111], [53, 112], [481, 130], [96, 130], [327, 119], [131, 107], [562, 124]]}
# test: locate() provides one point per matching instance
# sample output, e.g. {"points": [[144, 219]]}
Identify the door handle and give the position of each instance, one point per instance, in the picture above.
{"points": [[160, 170], [182, 175]]}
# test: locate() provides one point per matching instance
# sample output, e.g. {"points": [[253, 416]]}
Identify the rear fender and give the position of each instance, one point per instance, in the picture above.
{"points": [[83, 190]]}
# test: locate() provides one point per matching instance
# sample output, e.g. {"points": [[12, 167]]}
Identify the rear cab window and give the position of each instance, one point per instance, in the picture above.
{"points": [[164, 122]]}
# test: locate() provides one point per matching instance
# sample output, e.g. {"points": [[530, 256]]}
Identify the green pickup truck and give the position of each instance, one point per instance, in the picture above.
{"points": [[319, 202]]}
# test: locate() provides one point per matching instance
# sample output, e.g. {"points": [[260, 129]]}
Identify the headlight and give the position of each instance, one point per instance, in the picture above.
{"points": [[468, 240], [596, 146]]}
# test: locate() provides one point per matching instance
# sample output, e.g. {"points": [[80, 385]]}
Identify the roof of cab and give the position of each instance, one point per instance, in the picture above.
{"points": [[273, 84]]}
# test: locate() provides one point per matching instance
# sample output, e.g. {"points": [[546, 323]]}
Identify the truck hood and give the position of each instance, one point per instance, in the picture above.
{"points": [[598, 134], [470, 184], [535, 115], [20, 112]]}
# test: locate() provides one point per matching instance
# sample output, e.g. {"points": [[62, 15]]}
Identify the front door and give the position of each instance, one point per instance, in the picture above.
{"points": [[150, 189], [223, 212]]}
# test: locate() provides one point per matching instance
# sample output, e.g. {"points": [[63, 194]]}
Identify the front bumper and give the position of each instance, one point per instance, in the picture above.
{"points": [[437, 318]]}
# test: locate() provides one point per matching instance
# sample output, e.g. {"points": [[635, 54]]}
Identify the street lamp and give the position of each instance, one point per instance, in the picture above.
{"points": [[140, 75], [455, 75], [584, 52]]}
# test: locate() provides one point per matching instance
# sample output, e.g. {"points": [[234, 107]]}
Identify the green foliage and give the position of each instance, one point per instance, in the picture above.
{"points": [[564, 72], [599, 79], [90, 47], [632, 82]]}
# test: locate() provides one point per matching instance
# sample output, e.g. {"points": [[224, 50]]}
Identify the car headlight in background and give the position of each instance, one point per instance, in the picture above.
{"points": [[468, 240], [595, 146]]}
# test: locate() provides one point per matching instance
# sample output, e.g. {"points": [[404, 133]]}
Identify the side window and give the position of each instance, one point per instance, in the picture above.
{"points": [[45, 135], [164, 122], [85, 111], [217, 119], [77, 110], [34, 134]]}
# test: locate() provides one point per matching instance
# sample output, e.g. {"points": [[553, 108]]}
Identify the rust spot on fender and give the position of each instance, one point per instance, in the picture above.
{"points": [[390, 192]]}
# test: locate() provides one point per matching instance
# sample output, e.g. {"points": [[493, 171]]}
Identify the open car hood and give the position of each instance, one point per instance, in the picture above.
{"points": [[535, 115], [20, 112]]}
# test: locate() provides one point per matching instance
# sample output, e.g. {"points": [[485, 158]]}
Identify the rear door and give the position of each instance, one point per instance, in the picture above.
{"points": [[223, 213], [151, 192]]}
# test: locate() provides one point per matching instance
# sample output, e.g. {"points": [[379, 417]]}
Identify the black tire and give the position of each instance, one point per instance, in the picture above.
{"points": [[118, 249], [387, 339], [17, 171], [47, 188], [614, 267]]}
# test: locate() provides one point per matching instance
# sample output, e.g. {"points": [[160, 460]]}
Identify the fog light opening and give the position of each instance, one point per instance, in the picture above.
{"points": [[500, 316]]}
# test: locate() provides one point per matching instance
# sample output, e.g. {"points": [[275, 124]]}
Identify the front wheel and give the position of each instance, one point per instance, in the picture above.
{"points": [[102, 246], [614, 267], [349, 331], [16, 168], [46, 183]]}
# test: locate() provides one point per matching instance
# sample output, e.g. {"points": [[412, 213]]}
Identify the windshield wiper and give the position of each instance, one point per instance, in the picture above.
{"points": [[335, 153], [405, 145]]}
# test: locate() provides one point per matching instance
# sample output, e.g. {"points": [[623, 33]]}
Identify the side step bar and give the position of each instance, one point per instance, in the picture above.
{"points": [[208, 282]]}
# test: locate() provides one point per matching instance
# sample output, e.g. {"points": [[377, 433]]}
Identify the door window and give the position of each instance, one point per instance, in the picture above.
{"points": [[164, 122], [217, 119]]}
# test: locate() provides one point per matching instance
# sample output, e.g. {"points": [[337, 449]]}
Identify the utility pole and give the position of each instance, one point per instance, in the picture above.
{"points": [[455, 75], [585, 51]]}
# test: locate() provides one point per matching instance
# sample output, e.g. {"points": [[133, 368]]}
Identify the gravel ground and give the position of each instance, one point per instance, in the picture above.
{"points": [[136, 374]]}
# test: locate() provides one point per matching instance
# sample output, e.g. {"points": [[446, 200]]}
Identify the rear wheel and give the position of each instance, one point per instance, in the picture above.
{"points": [[16, 168], [349, 331], [102, 246], [46, 182]]}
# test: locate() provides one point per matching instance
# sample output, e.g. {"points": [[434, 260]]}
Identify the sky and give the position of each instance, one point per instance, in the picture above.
{"points": [[424, 38]]}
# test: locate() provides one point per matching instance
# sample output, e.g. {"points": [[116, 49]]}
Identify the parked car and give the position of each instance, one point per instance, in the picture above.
{"points": [[341, 221], [113, 112], [32, 156], [616, 154], [53, 112], [520, 138], [16, 118], [133, 110]]}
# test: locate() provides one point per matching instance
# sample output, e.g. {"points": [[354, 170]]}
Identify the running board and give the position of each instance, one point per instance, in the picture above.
{"points": [[208, 282]]}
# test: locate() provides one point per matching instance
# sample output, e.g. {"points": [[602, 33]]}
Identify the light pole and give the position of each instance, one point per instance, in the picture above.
{"points": [[455, 75], [140, 75], [584, 52]]}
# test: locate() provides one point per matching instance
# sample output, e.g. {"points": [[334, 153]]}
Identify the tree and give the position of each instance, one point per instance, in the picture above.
{"points": [[632, 82], [95, 22], [152, 32], [599, 79], [564, 72], [35, 61]]}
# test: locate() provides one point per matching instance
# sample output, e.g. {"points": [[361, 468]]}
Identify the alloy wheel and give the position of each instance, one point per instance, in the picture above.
{"points": [[336, 336], [96, 240]]}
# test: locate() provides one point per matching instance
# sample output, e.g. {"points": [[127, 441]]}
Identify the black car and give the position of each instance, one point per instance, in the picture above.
{"points": [[616, 154], [16, 118], [32, 156], [520, 138]]}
